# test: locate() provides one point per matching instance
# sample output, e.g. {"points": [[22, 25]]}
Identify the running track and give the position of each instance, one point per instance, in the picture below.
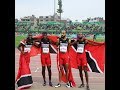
{"points": [[96, 80]]}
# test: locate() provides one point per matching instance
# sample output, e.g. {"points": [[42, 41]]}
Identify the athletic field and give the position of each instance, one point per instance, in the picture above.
{"points": [[96, 80], [99, 38]]}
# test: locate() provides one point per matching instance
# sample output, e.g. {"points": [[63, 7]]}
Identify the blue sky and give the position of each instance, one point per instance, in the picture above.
{"points": [[73, 9]]}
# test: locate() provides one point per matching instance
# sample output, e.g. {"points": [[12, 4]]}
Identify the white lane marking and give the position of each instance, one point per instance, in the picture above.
{"points": [[36, 70]]}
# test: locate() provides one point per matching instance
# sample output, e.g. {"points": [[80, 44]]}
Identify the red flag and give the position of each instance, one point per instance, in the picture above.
{"points": [[24, 77], [73, 55], [71, 79], [95, 56], [70, 76], [34, 51]]}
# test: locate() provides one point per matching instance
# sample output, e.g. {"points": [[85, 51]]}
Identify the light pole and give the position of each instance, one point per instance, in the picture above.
{"points": [[54, 8], [60, 9]]}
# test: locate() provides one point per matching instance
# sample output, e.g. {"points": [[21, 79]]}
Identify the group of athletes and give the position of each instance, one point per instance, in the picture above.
{"points": [[63, 44]]}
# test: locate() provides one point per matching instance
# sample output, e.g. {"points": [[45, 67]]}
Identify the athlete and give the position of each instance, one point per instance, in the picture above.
{"points": [[24, 78], [63, 57], [44, 43], [25, 45], [81, 58]]}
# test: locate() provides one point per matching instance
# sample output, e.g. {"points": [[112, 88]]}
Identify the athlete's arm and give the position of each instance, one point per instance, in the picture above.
{"points": [[57, 43], [52, 42], [36, 42], [72, 42], [69, 44], [20, 48]]}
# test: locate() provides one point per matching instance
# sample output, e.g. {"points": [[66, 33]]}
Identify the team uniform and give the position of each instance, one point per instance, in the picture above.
{"points": [[63, 60], [81, 56], [63, 51], [45, 53]]}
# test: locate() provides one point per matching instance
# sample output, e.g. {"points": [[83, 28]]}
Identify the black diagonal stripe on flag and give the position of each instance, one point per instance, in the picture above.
{"points": [[91, 63], [52, 50], [75, 46], [94, 60]]}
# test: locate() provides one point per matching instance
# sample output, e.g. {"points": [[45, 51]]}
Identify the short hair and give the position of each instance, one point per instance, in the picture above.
{"points": [[29, 33], [44, 33]]}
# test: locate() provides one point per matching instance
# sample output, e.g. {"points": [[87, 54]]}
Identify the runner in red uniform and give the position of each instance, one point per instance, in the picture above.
{"points": [[63, 43], [44, 43], [81, 58]]}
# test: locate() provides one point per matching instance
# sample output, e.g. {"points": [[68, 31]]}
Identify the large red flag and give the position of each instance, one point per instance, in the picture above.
{"points": [[95, 56], [24, 77], [53, 48], [34, 51]]}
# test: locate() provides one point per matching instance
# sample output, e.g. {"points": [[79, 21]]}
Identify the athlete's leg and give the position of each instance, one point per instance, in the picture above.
{"points": [[49, 73], [86, 76], [81, 76], [43, 74]]}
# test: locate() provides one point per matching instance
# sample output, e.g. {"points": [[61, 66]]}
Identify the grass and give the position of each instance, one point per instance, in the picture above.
{"points": [[19, 38], [98, 39]]}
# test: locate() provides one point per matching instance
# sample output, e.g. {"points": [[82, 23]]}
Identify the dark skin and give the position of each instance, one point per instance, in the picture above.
{"points": [[81, 38], [48, 67], [49, 73], [37, 41], [44, 67], [21, 45], [20, 48], [65, 66]]}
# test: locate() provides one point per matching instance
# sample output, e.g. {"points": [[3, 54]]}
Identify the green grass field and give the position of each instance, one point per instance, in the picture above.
{"points": [[19, 38]]}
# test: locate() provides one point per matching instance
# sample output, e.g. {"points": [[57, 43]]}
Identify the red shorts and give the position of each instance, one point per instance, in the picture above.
{"points": [[45, 59], [81, 59], [63, 58]]}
